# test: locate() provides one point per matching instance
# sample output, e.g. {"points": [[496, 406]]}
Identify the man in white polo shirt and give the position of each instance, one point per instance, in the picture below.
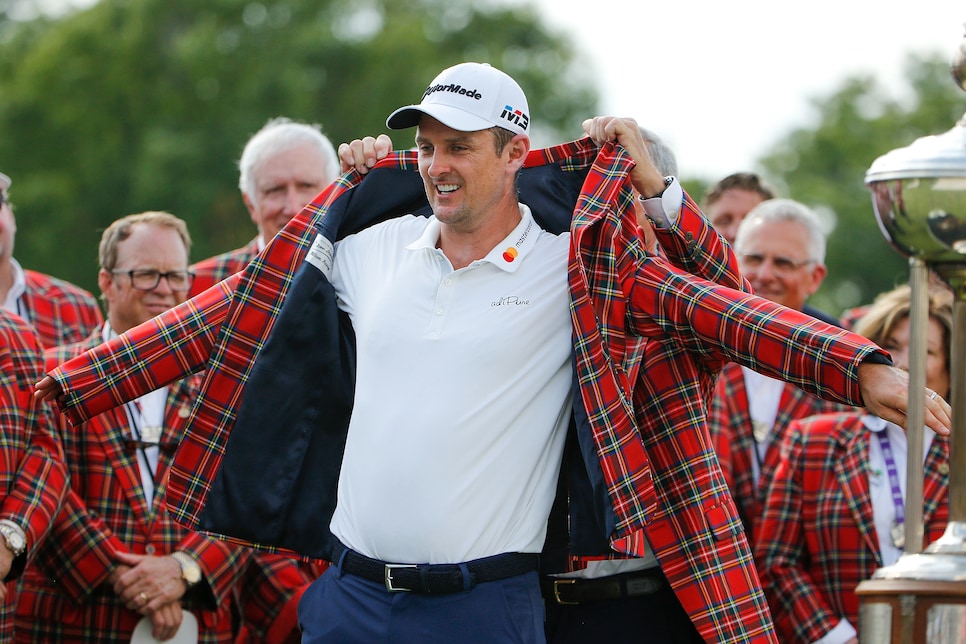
{"points": [[474, 301], [456, 420]]}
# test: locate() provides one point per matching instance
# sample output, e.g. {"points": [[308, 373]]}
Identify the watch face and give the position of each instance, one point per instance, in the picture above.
{"points": [[192, 574], [14, 540]]}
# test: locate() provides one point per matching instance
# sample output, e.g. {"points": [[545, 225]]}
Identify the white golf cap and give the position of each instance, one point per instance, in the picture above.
{"points": [[4, 181], [469, 97]]}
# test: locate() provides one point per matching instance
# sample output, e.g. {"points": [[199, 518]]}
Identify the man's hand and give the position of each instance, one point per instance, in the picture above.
{"points": [[6, 561], [645, 177], [166, 620], [117, 573], [150, 583], [885, 393], [47, 390], [363, 154]]}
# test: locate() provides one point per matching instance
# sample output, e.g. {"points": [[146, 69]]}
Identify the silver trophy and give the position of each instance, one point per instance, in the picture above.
{"points": [[919, 198]]}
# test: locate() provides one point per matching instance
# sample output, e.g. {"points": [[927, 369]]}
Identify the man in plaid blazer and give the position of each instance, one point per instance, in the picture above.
{"points": [[33, 476], [781, 251], [650, 473], [283, 166], [60, 312], [115, 554]]}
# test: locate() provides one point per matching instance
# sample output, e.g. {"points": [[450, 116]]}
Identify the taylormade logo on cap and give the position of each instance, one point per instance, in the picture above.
{"points": [[469, 97], [458, 89]]}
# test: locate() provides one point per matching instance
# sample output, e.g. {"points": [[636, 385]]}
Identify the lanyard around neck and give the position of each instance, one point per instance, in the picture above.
{"points": [[890, 462]]}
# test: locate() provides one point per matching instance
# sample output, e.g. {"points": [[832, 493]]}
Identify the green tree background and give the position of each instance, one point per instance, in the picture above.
{"points": [[137, 105], [824, 166], [133, 105]]}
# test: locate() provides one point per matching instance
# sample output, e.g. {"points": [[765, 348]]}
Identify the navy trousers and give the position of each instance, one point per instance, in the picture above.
{"points": [[339, 607]]}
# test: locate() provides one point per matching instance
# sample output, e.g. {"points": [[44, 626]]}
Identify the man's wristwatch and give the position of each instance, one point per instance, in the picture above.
{"points": [[190, 570], [14, 537], [667, 182]]}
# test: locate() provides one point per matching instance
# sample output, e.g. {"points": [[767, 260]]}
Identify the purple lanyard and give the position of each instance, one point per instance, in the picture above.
{"points": [[893, 476]]}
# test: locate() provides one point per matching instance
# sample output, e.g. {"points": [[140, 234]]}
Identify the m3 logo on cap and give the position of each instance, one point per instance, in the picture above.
{"points": [[515, 116]]}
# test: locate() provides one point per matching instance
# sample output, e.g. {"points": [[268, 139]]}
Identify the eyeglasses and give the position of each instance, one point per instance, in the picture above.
{"points": [[148, 280], [781, 265]]}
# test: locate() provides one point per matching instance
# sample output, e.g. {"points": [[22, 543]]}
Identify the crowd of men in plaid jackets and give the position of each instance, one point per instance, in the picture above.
{"points": [[57, 545], [75, 502]]}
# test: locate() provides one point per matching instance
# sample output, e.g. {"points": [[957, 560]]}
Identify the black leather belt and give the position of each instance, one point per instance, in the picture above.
{"points": [[571, 590], [439, 578]]}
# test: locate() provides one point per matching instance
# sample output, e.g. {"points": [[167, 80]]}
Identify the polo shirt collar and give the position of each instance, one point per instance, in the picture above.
{"points": [[507, 255]]}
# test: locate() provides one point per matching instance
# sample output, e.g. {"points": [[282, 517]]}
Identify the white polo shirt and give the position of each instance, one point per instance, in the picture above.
{"points": [[463, 392]]}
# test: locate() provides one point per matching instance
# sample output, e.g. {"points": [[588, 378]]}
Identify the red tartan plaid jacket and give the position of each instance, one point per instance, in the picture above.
{"points": [[61, 312], [729, 421], [209, 272], [33, 475], [65, 594], [649, 340], [817, 539]]}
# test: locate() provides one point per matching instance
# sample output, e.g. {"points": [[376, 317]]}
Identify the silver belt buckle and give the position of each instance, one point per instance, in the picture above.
{"points": [[389, 586]]}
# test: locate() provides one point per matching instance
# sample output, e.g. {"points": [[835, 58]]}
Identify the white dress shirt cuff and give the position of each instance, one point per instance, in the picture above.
{"points": [[663, 210], [842, 633]]}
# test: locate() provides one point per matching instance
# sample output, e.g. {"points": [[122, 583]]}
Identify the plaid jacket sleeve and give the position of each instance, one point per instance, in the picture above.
{"points": [[692, 245], [80, 551], [33, 471], [268, 597], [153, 354], [724, 324]]}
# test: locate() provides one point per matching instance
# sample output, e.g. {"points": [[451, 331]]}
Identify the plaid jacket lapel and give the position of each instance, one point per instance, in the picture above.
{"points": [[935, 492], [795, 404], [598, 279], [742, 437], [112, 428], [851, 471]]}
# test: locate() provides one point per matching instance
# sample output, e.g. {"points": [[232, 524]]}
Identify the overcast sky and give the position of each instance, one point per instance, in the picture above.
{"points": [[721, 80]]}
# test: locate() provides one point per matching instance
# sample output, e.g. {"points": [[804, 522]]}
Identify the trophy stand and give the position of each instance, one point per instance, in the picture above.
{"points": [[919, 198]]}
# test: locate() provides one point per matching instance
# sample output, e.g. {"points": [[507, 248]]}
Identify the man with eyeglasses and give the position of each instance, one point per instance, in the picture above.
{"points": [[60, 312], [115, 554], [781, 250]]}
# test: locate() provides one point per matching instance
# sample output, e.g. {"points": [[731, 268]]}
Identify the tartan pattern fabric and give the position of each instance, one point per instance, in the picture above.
{"points": [[64, 595], [663, 479], [267, 597], [209, 272], [692, 245], [33, 475], [729, 421], [644, 404], [61, 312], [817, 539]]}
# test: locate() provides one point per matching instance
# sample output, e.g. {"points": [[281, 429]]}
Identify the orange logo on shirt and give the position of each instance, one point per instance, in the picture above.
{"points": [[510, 254]]}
